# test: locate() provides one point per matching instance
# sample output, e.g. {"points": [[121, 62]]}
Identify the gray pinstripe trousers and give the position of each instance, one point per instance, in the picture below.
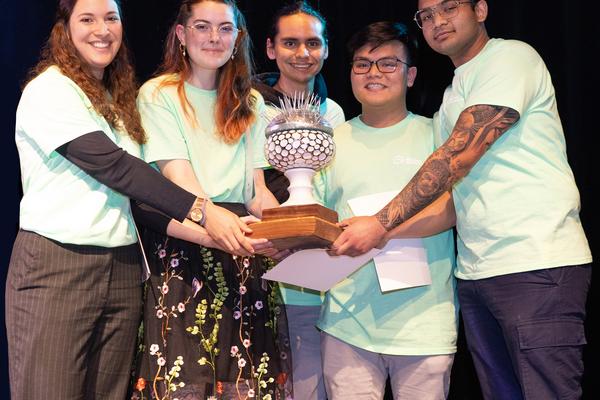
{"points": [[72, 314]]}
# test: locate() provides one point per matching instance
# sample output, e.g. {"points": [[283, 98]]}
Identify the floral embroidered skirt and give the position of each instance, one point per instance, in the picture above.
{"points": [[212, 327]]}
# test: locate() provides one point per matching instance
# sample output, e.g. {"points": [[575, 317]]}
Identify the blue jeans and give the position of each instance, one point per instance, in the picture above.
{"points": [[305, 342], [525, 332]]}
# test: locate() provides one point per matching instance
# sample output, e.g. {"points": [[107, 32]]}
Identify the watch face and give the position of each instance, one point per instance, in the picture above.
{"points": [[196, 215]]}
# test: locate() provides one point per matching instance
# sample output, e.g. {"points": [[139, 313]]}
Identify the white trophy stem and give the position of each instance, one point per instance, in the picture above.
{"points": [[301, 189]]}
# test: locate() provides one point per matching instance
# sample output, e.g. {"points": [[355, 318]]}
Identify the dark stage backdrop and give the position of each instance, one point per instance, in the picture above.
{"points": [[563, 32]]}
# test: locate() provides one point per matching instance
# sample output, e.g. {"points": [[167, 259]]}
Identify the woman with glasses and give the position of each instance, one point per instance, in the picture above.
{"points": [[209, 328]]}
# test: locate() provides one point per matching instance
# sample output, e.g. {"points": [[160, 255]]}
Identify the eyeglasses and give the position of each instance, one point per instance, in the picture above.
{"points": [[446, 9], [206, 30], [384, 65]]}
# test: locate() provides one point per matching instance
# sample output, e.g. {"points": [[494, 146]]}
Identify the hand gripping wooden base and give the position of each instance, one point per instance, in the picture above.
{"points": [[298, 227]]}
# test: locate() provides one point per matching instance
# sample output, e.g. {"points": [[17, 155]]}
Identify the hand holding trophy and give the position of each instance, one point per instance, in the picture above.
{"points": [[299, 143]]}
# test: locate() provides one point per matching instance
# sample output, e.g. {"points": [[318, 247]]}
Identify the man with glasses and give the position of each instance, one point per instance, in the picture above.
{"points": [[408, 335], [523, 258]]}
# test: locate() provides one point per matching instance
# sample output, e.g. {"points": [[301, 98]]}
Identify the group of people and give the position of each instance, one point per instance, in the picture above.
{"points": [[182, 157]]}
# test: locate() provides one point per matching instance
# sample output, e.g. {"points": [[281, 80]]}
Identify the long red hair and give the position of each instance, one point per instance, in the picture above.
{"points": [[119, 109], [234, 106]]}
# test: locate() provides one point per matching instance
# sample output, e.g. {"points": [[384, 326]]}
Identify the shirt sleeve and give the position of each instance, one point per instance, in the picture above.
{"points": [[333, 113], [510, 77], [149, 217], [257, 134], [53, 110], [162, 123], [438, 136], [112, 166]]}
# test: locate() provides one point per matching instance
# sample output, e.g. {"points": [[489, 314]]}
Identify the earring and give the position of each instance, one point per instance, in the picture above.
{"points": [[233, 53], [182, 49]]}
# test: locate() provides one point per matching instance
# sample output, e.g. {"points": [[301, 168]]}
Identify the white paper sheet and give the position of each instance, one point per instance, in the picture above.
{"points": [[403, 262], [316, 269], [370, 204], [145, 266]]}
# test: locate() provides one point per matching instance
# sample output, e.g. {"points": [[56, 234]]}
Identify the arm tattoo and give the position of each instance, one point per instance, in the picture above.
{"points": [[476, 130]]}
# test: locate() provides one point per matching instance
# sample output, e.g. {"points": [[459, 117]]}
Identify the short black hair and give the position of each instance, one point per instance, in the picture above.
{"points": [[298, 7], [378, 33]]}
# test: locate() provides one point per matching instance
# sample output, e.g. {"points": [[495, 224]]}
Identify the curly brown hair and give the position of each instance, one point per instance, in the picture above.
{"points": [[234, 110], [119, 109]]}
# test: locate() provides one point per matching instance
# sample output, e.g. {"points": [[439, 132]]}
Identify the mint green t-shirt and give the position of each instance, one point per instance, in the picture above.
{"points": [[518, 208], [220, 167], [413, 321], [61, 201], [295, 295]]}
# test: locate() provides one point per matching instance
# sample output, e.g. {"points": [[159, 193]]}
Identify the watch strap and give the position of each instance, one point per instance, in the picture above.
{"points": [[203, 219]]}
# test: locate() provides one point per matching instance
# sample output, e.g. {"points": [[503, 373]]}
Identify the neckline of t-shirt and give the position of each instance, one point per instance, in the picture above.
{"points": [[394, 127], [195, 89]]}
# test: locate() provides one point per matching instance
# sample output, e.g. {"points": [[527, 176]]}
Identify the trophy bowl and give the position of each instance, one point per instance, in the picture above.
{"points": [[294, 145]]}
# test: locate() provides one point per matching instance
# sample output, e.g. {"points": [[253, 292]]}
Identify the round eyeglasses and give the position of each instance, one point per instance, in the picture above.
{"points": [[446, 9], [385, 65], [205, 30]]}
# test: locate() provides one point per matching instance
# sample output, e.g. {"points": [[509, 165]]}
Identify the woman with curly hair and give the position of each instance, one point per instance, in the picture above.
{"points": [[73, 293], [210, 320]]}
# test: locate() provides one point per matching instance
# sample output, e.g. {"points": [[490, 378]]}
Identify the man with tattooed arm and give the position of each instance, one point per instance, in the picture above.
{"points": [[524, 264]]}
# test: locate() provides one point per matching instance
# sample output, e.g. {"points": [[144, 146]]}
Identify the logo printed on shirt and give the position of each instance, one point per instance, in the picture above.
{"points": [[405, 160]]}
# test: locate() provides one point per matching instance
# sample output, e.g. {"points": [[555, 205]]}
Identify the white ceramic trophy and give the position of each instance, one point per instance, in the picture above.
{"points": [[299, 143]]}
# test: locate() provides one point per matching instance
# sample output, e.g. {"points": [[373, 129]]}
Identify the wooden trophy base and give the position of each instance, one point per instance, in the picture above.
{"points": [[298, 227]]}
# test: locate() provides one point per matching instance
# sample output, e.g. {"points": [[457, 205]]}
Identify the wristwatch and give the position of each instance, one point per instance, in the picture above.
{"points": [[198, 211]]}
